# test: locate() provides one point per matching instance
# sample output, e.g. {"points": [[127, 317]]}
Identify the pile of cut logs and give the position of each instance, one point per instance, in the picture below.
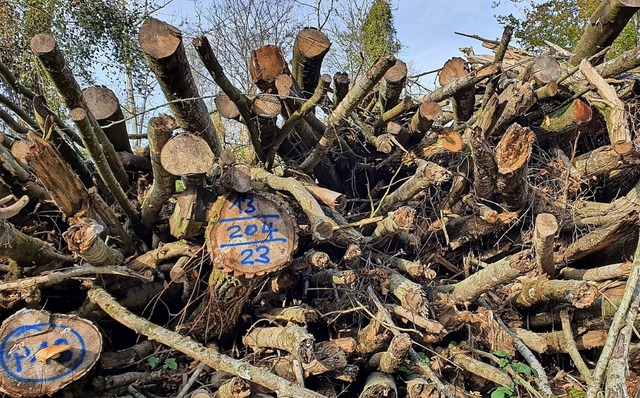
{"points": [[476, 241]]}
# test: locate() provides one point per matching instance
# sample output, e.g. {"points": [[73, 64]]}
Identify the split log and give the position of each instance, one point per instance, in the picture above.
{"points": [[83, 238], [464, 97], [512, 159], [105, 107], [607, 21], [63, 185], [52, 58], [33, 189], [309, 49], [84, 123], [612, 109], [46, 119], [164, 50], [44, 352]]}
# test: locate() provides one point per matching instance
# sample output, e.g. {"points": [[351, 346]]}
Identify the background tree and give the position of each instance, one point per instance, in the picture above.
{"points": [[561, 22], [379, 35]]}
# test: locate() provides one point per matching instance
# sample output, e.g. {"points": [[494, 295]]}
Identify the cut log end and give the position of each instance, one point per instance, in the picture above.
{"points": [[267, 105], [514, 148], [265, 65], [546, 225], [78, 114], [226, 108], [186, 154], [284, 85], [623, 147], [251, 235], [396, 73], [452, 141], [101, 101], [158, 39], [42, 43], [582, 112], [61, 349], [454, 68], [312, 42]]}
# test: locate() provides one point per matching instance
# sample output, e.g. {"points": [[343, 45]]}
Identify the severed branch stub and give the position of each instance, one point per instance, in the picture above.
{"points": [[40, 352]]}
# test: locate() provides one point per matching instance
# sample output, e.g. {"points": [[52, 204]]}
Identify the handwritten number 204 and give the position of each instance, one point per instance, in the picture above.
{"points": [[260, 256]]}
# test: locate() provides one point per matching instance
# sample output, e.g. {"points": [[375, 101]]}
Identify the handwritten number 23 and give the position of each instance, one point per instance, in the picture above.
{"points": [[260, 256]]}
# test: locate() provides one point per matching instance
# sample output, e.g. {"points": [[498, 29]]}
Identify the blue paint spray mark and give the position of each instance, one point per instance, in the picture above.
{"points": [[17, 357]]}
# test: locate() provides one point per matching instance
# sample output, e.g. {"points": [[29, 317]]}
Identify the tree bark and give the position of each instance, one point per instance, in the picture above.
{"points": [[606, 23], [105, 107], [164, 50], [309, 49]]}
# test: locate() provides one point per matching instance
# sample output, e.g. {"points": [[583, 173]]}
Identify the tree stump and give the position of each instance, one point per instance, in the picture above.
{"points": [[40, 352], [250, 235]]}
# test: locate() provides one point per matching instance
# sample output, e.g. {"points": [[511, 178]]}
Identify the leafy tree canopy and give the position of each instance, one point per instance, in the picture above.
{"points": [[379, 35], [561, 22], [90, 32]]}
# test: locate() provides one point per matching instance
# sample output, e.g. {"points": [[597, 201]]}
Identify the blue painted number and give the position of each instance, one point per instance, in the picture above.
{"points": [[239, 202], [251, 257]]}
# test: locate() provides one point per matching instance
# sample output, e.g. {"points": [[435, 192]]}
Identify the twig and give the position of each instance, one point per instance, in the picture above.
{"points": [[65, 274], [618, 322], [197, 351], [565, 317], [194, 376], [543, 380]]}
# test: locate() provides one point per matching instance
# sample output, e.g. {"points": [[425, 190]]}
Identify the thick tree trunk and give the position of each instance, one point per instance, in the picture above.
{"points": [[165, 52], [309, 49], [606, 23]]}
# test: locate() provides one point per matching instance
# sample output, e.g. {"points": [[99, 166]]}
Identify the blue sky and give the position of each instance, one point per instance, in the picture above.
{"points": [[425, 27]]}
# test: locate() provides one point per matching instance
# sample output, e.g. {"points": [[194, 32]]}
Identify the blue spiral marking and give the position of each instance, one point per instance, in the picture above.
{"points": [[40, 327]]}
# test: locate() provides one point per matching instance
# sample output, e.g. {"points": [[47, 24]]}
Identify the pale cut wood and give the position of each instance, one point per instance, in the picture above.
{"points": [[162, 44], [104, 105], [545, 229], [309, 49], [186, 154], [64, 348]]}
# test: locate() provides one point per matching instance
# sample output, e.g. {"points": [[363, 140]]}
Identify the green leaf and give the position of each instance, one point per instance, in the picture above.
{"points": [[503, 362], [153, 361], [502, 354], [577, 393], [522, 368], [170, 363], [502, 392]]}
